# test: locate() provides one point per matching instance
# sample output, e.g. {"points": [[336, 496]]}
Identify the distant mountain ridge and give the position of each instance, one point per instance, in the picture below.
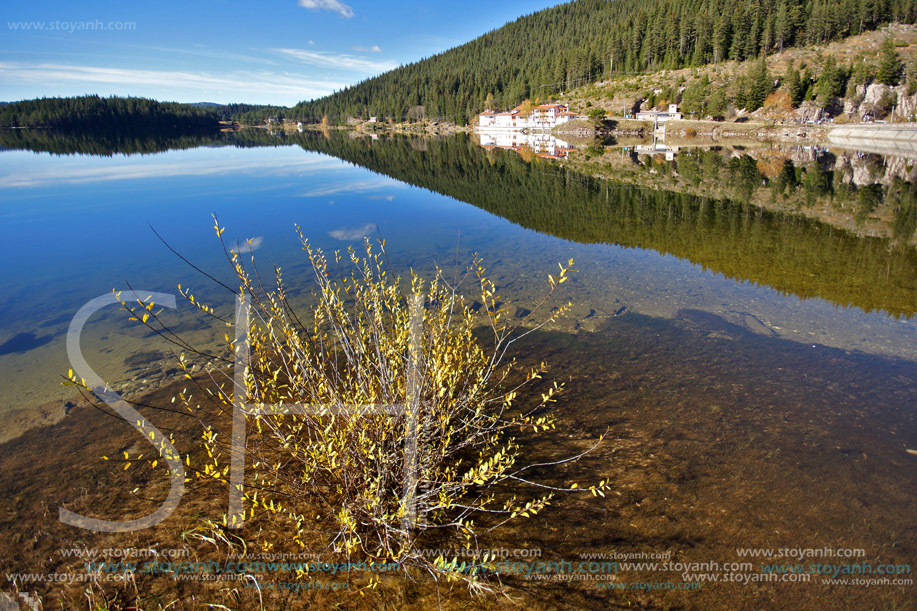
{"points": [[556, 49]]}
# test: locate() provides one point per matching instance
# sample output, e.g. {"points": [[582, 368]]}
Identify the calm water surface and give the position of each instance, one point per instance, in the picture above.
{"points": [[78, 226]]}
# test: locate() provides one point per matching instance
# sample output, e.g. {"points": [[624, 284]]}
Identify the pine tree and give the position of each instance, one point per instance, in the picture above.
{"points": [[782, 27], [722, 33], [795, 86], [890, 67], [761, 84], [831, 82], [716, 103]]}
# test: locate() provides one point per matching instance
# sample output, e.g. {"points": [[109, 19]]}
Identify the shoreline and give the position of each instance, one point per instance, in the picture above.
{"points": [[690, 128], [583, 127]]}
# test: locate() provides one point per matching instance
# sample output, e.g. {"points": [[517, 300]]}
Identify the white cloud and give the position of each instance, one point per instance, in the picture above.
{"points": [[203, 51], [354, 233], [341, 61], [372, 49], [166, 85], [334, 6]]}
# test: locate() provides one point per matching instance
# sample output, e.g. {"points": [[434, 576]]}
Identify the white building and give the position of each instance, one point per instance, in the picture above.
{"points": [[543, 117], [512, 119], [547, 116], [660, 115]]}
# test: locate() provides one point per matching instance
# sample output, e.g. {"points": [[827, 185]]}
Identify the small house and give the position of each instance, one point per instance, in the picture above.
{"points": [[660, 116]]}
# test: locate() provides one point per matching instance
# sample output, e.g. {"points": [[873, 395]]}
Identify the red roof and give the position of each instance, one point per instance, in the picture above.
{"points": [[546, 106]]}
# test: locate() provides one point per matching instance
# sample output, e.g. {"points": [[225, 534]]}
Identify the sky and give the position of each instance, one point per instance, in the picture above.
{"points": [[268, 52]]}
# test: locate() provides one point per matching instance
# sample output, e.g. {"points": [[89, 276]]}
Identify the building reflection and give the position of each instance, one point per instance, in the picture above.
{"points": [[539, 144], [657, 148]]}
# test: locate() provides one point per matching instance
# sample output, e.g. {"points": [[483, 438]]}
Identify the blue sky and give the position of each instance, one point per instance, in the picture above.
{"points": [[269, 52]]}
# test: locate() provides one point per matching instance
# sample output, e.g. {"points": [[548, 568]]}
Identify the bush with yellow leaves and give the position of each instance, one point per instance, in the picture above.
{"points": [[378, 415]]}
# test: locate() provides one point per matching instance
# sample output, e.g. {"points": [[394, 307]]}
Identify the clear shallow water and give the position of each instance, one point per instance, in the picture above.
{"points": [[755, 397], [77, 227]]}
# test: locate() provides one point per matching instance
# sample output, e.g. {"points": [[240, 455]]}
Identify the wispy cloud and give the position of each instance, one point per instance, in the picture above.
{"points": [[204, 51], [353, 233], [226, 87], [372, 49], [335, 6], [341, 61]]}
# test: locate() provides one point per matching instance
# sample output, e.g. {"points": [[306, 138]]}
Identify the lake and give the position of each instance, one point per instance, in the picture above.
{"points": [[756, 370]]}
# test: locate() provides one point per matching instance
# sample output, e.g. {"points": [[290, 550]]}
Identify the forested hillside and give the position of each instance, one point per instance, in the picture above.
{"points": [[556, 49], [127, 115]]}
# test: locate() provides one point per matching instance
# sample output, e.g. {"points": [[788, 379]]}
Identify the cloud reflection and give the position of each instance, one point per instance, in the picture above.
{"points": [[354, 186], [355, 233], [83, 170], [247, 246]]}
